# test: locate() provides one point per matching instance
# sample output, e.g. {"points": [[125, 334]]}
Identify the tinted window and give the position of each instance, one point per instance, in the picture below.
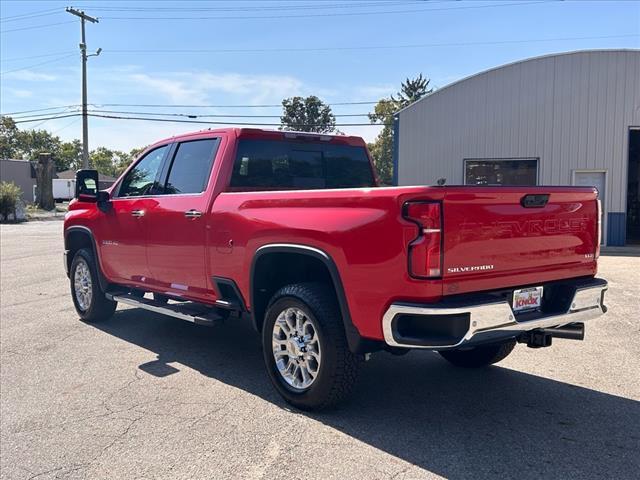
{"points": [[264, 164], [501, 172], [191, 166], [141, 179]]}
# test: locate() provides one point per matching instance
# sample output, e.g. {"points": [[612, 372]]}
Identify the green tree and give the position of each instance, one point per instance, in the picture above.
{"points": [[382, 148], [121, 161], [9, 138], [412, 90], [109, 162], [69, 156], [308, 114], [35, 142], [134, 152]]}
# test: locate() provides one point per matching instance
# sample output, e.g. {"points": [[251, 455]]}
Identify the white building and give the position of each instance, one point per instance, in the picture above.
{"points": [[564, 119]]}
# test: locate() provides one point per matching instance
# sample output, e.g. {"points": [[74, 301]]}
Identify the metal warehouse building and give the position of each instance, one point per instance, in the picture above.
{"points": [[565, 119]]}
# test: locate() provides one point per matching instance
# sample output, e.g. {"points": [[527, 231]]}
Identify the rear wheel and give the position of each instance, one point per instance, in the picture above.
{"points": [[88, 298], [481, 356], [305, 348]]}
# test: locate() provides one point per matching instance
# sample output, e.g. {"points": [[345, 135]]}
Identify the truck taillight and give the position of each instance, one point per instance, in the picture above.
{"points": [[425, 251]]}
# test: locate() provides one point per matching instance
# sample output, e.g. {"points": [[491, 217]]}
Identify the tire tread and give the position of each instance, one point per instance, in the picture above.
{"points": [[321, 300]]}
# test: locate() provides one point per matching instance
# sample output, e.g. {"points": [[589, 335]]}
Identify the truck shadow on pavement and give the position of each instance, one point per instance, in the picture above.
{"points": [[455, 423]]}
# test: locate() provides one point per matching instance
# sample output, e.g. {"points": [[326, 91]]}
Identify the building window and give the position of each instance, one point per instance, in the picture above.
{"points": [[501, 171]]}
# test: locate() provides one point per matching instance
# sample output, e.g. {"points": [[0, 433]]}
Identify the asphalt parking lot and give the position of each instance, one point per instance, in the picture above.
{"points": [[146, 396]]}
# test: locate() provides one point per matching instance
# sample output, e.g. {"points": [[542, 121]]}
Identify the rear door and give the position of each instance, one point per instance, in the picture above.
{"points": [[178, 223], [492, 240]]}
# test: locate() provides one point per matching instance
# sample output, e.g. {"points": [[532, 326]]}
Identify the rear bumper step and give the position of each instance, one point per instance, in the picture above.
{"points": [[442, 327]]}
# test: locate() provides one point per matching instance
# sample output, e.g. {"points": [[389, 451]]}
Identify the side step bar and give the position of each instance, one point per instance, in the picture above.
{"points": [[189, 311]]}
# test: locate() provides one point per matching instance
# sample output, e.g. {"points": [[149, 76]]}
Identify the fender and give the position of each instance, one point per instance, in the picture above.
{"points": [[357, 343], [104, 284]]}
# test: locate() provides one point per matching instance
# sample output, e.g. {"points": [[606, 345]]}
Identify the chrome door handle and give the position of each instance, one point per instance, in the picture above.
{"points": [[192, 213], [137, 213]]}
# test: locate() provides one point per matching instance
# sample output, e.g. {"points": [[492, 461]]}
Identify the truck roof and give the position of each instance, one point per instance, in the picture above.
{"points": [[266, 134]]}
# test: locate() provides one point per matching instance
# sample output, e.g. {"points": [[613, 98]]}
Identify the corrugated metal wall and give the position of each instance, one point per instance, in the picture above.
{"points": [[572, 111]]}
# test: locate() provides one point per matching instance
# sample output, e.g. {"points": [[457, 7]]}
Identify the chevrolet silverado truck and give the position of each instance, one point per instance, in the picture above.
{"points": [[292, 231]]}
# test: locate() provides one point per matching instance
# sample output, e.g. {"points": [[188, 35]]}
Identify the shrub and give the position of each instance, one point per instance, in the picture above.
{"points": [[9, 196]]}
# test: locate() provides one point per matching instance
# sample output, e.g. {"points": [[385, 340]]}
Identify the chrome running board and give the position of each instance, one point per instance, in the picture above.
{"points": [[191, 312]]}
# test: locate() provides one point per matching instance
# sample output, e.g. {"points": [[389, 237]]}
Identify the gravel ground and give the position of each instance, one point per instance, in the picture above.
{"points": [[146, 396]]}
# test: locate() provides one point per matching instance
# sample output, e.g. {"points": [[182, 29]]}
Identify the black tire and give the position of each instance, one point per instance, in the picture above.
{"points": [[481, 356], [99, 308], [338, 370]]}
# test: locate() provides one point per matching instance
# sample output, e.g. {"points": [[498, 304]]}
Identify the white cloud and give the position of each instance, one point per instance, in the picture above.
{"points": [[29, 76], [176, 90], [197, 87], [129, 84], [19, 93]]}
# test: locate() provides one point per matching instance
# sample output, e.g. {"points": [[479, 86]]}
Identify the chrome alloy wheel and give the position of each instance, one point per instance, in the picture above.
{"points": [[82, 285], [296, 348]]}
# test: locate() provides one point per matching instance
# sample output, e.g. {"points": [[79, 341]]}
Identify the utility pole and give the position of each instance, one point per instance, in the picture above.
{"points": [[83, 49]]}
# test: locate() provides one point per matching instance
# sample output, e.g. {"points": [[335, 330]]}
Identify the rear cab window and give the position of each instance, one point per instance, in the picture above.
{"points": [[290, 165], [191, 167]]}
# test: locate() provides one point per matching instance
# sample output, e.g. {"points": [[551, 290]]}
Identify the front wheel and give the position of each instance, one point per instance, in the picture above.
{"points": [[88, 298], [481, 356], [305, 348]]}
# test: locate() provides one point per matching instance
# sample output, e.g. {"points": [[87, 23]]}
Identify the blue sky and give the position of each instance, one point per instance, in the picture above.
{"points": [[138, 66]]}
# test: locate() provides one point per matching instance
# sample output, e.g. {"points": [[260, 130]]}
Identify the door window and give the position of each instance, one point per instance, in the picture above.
{"points": [[191, 166], [141, 179]]}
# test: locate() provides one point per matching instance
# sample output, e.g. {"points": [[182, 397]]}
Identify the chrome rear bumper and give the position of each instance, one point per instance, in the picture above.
{"points": [[491, 321]]}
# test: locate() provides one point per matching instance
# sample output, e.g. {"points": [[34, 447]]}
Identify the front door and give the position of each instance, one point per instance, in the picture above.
{"points": [[598, 179], [122, 234], [177, 225]]}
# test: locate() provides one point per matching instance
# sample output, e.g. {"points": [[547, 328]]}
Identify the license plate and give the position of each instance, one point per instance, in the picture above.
{"points": [[527, 299]]}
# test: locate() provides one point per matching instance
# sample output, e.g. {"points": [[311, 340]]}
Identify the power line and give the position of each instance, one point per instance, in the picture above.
{"points": [[322, 49], [75, 120], [207, 122], [333, 14], [46, 25], [50, 118], [244, 8], [35, 116], [8, 114], [29, 17], [369, 47], [17, 59], [190, 115], [37, 12], [165, 105], [46, 62]]}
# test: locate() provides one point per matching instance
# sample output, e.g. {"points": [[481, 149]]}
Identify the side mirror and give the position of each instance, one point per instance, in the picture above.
{"points": [[87, 185], [103, 201]]}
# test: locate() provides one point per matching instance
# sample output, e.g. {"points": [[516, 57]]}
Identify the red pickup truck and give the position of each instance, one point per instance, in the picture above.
{"points": [[292, 231]]}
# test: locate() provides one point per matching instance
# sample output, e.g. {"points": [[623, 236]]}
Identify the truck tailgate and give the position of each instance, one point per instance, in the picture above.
{"points": [[491, 240]]}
